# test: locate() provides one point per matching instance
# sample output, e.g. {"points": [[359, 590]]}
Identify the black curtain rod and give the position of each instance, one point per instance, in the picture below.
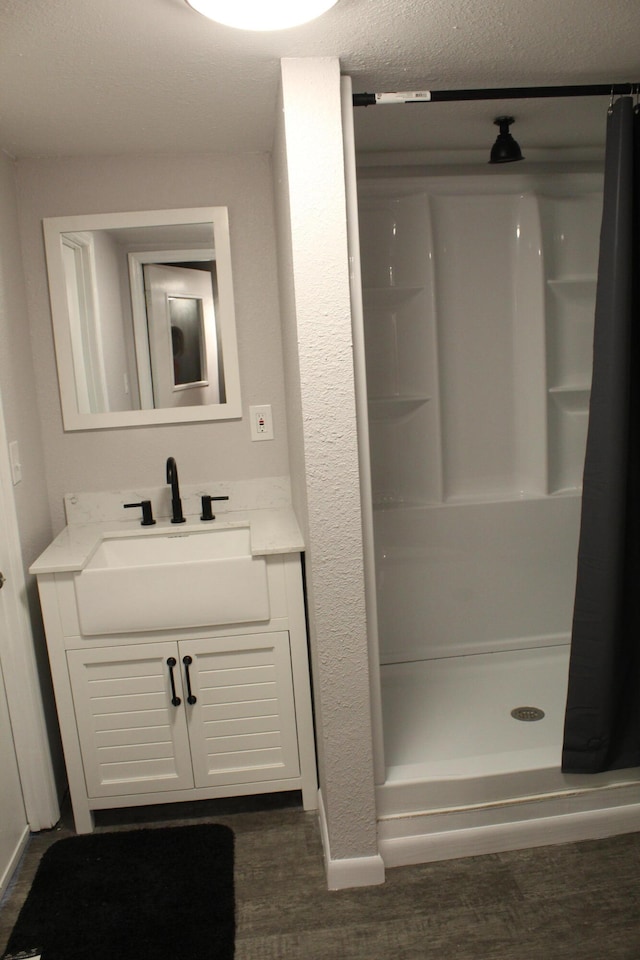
{"points": [[494, 93]]}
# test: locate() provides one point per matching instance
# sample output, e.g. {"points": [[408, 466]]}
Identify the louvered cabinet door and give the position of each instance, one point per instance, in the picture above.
{"points": [[242, 725], [133, 739]]}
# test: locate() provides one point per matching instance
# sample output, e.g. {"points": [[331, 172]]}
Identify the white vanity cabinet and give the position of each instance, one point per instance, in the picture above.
{"points": [[191, 713], [164, 716]]}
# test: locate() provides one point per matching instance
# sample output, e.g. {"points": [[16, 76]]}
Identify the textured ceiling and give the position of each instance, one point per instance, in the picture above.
{"points": [[88, 77]]}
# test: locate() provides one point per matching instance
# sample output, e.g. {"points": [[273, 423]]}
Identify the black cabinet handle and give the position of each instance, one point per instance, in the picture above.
{"points": [[175, 700], [187, 663]]}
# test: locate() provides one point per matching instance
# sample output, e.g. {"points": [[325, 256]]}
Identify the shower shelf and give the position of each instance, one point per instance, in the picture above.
{"points": [[571, 399], [574, 286], [390, 503], [388, 296], [574, 490], [390, 408]]}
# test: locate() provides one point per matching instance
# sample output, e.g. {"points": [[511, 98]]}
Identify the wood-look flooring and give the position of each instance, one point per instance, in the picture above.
{"points": [[577, 901]]}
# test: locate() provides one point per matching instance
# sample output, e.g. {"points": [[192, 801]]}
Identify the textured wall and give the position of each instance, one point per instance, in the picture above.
{"points": [[129, 458], [297, 463], [317, 331]]}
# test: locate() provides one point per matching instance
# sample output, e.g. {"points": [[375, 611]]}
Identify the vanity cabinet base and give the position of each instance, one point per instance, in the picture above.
{"points": [[178, 716]]}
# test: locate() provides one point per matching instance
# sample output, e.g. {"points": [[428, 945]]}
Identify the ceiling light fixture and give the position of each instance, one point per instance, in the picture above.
{"points": [[262, 14]]}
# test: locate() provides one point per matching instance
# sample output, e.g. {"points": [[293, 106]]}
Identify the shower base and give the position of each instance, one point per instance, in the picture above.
{"points": [[451, 717], [464, 777]]}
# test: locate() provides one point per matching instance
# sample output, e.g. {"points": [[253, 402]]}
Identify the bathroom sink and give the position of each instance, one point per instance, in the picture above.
{"points": [[170, 580], [174, 547]]}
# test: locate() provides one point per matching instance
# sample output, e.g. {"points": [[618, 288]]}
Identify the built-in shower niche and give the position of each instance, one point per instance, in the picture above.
{"points": [[479, 297]]}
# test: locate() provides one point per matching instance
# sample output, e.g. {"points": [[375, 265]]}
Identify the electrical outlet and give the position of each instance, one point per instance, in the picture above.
{"points": [[261, 422]]}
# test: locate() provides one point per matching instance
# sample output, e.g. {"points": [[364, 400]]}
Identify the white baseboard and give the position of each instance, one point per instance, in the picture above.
{"points": [[403, 850], [350, 872], [14, 859]]}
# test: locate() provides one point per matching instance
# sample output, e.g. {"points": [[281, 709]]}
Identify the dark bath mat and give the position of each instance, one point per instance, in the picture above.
{"points": [[163, 894]]}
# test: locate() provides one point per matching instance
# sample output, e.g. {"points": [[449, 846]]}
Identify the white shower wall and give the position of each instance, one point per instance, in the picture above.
{"points": [[475, 578], [479, 295]]}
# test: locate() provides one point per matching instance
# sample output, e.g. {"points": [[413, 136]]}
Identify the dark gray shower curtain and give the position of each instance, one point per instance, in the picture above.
{"points": [[602, 722]]}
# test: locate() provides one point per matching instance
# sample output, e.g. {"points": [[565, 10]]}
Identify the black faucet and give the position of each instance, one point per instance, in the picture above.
{"points": [[147, 512], [207, 513], [176, 502]]}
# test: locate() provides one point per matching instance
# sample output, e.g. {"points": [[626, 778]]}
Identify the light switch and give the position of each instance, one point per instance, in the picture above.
{"points": [[14, 459]]}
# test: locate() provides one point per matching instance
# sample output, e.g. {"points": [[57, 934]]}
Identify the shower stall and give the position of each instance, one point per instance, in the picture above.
{"points": [[478, 300]]}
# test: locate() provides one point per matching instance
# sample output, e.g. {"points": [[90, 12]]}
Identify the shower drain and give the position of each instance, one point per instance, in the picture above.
{"points": [[527, 713]]}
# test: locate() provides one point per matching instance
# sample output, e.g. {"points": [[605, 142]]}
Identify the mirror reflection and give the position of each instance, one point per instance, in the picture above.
{"points": [[143, 317]]}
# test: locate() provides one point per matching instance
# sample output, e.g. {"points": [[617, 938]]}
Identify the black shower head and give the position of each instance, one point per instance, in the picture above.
{"points": [[505, 149]]}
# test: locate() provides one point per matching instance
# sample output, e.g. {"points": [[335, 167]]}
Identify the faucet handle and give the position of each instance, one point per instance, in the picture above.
{"points": [[206, 507], [147, 513]]}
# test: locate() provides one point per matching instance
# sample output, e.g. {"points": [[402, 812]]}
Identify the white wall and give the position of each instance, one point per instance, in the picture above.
{"points": [[310, 200], [17, 376], [13, 819], [130, 458], [21, 417]]}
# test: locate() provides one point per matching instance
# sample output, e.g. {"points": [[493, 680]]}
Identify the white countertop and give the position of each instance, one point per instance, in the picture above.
{"points": [[273, 531]]}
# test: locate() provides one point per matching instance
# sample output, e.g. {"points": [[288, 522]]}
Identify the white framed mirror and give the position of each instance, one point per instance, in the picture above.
{"points": [[143, 317]]}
